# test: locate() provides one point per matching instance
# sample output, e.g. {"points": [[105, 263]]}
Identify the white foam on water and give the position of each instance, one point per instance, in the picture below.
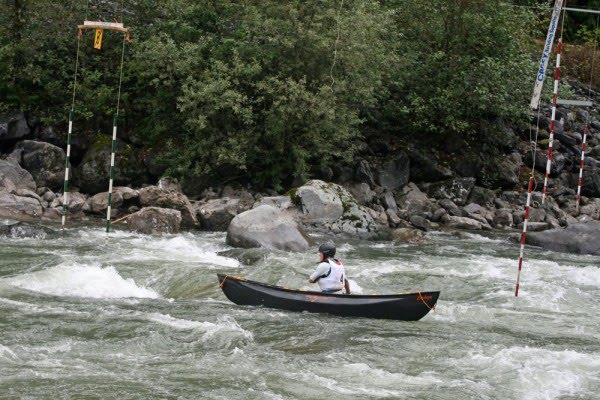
{"points": [[360, 379], [176, 323], [31, 308], [7, 354], [538, 373], [181, 248], [481, 238], [223, 325], [345, 247], [76, 280]]}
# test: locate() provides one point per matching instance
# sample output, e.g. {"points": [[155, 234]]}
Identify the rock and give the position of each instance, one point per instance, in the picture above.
{"points": [[461, 222], [329, 208], [319, 201], [591, 183], [392, 218], [537, 214], [44, 161], [216, 215], [155, 220], [457, 190], [364, 173], [535, 226], [14, 127], [503, 217], [419, 222], [424, 169], [482, 196], [394, 173], [408, 235], [579, 238], [507, 171], [389, 202], [24, 230], [267, 227], [93, 171], [122, 197], [168, 183], [153, 196], [75, 202], [414, 201], [281, 202], [450, 207], [362, 193], [592, 209], [438, 214], [18, 207], [12, 176]]}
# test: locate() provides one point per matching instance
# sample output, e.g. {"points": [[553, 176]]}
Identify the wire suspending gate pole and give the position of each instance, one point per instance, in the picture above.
{"points": [[99, 27], [534, 105]]}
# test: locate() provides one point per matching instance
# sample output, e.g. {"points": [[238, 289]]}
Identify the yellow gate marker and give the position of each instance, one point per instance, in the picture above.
{"points": [[98, 39]]}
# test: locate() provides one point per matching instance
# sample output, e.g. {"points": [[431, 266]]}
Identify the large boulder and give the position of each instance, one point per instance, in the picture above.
{"points": [[21, 208], [591, 183], [75, 202], [394, 173], [18, 229], [44, 161], [122, 197], [414, 201], [268, 227], [580, 238], [457, 190], [330, 208], [14, 127], [461, 222], [12, 177], [426, 169], [507, 171], [364, 173], [153, 196], [319, 201], [155, 220], [93, 171], [216, 215]]}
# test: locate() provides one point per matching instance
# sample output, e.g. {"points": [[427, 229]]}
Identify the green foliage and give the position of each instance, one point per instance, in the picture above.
{"points": [[475, 67], [268, 91]]}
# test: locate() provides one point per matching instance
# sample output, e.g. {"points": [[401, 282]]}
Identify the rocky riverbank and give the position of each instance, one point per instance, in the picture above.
{"points": [[388, 192]]}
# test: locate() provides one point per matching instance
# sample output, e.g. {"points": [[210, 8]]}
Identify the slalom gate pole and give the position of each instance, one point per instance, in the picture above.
{"points": [[553, 119], [524, 233], [69, 135], [67, 168], [581, 164], [114, 140], [111, 172]]}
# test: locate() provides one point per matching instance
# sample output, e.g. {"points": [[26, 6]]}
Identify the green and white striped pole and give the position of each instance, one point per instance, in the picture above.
{"points": [[111, 173], [67, 169], [114, 139]]}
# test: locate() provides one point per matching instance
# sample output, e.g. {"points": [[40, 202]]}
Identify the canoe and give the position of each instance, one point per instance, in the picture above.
{"points": [[402, 307]]}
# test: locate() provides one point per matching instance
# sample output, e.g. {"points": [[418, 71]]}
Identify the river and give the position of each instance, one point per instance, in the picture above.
{"points": [[141, 317]]}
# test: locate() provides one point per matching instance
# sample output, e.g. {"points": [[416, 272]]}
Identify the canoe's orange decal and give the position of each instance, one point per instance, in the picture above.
{"points": [[313, 297], [424, 298]]}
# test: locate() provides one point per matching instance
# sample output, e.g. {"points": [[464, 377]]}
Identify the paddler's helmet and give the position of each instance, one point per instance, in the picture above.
{"points": [[328, 249]]}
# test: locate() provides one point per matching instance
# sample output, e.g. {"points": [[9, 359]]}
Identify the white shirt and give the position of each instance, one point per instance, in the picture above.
{"points": [[330, 274]]}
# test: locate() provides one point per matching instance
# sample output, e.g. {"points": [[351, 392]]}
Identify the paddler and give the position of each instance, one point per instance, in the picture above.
{"points": [[330, 273]]}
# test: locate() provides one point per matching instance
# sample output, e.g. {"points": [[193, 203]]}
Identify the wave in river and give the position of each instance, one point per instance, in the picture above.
{"points": [[77, 280]]}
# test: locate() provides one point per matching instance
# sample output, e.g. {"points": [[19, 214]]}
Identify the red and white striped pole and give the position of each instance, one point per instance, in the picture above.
{"points": [[524, 234], [581, 162], [553, 118]]}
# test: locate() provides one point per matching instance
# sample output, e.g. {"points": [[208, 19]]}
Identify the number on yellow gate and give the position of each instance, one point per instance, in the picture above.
{"points": [[98, 39]]}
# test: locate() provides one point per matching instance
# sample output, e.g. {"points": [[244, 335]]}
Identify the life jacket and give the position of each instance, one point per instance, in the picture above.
{"points": [[334, 278]]}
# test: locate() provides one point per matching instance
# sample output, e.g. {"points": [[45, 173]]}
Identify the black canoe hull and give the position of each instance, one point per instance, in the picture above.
{"points": [[403, 307]]}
